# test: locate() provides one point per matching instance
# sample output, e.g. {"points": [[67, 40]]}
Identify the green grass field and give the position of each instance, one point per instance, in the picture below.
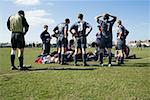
{"points": [[130, 81]]}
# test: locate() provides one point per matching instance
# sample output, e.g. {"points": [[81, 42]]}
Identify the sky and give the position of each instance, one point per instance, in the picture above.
{"points": [[135, 15]]}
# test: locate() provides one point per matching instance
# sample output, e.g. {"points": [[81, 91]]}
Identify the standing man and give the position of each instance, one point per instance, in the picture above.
{"points": [[62, 33], [45, 36], [79, 32], [121, 40], [18, 25], [106, 39]]}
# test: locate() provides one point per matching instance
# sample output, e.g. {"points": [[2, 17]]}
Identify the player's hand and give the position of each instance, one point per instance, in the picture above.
{"points": [[96, 17], [73, 32], [65, 36], [86, 35]]}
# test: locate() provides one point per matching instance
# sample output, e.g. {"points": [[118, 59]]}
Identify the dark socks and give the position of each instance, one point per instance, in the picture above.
{"points": [[62, 58], [84, 58], [101, 58], [75, 59], [12, 59], [109, 59], [20, 61], [59, 57], [122, 59]]}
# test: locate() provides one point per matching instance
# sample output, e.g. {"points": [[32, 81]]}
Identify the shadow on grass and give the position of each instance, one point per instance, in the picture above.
{"points": [[61, 68], [139, 65], [134, 58], [125, 65]]}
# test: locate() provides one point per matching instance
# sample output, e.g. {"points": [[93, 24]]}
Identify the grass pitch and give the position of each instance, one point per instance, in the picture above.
{"points": [[130, 81]]}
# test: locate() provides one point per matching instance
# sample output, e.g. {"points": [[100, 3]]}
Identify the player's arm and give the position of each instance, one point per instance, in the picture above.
{"points": [[97, 18], [42, 36], [25, 25], [8, 23], [73, 30], [50, 37], [119, 35], [127, 32], [55, 30], [120, 32], [89, 28], [114, 18]]}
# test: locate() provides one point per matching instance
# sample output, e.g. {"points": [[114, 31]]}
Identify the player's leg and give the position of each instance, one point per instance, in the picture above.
{"points": [[98, 53], [101, 56], [84, 56], [83, 49], [20, 46], [121, 56], [109, 57], [109, 47], [64, 48], [62, 55], [120, 49], [47, 49], [77, 45], [102, 47], [44, 49], [12, 58], [20, 57], [59, 51], [13, 49], [75, 56]]}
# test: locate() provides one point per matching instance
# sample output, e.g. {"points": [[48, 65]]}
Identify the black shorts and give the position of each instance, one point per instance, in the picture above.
{"points": [[105, 42], [17, 40], [46, 48], [80, 42], [62, 42], [120, 44]]}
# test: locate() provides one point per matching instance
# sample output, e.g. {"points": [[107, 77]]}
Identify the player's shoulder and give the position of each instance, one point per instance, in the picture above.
{"points": [[121, 26]]}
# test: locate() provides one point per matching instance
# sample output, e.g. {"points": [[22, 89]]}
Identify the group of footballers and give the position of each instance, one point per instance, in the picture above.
{"points": [[18, 25]]}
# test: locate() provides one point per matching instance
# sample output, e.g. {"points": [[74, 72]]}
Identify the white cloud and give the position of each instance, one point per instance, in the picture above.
{"points": [[38, 17], [27, 2]]}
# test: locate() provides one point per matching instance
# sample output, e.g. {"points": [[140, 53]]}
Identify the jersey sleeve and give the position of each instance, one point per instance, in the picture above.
{"points": [[73, 27], [120, 30], [113, 20], [55, 29], [25, 24], [42, 35], [88, 25], [8, 23]]}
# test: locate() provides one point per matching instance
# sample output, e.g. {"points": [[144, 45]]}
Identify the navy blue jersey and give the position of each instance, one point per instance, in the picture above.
{"points": [[121, 29], [98, 35], [106, 27], [61, 28], [45, 36], [80, 28]]}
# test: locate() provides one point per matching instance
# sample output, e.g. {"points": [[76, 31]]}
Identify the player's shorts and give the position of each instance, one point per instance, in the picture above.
{"points": [[46, 48], [105, 42], [80, 42], [17, 40], [98, 42], [62, 42], [120, 44]]}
